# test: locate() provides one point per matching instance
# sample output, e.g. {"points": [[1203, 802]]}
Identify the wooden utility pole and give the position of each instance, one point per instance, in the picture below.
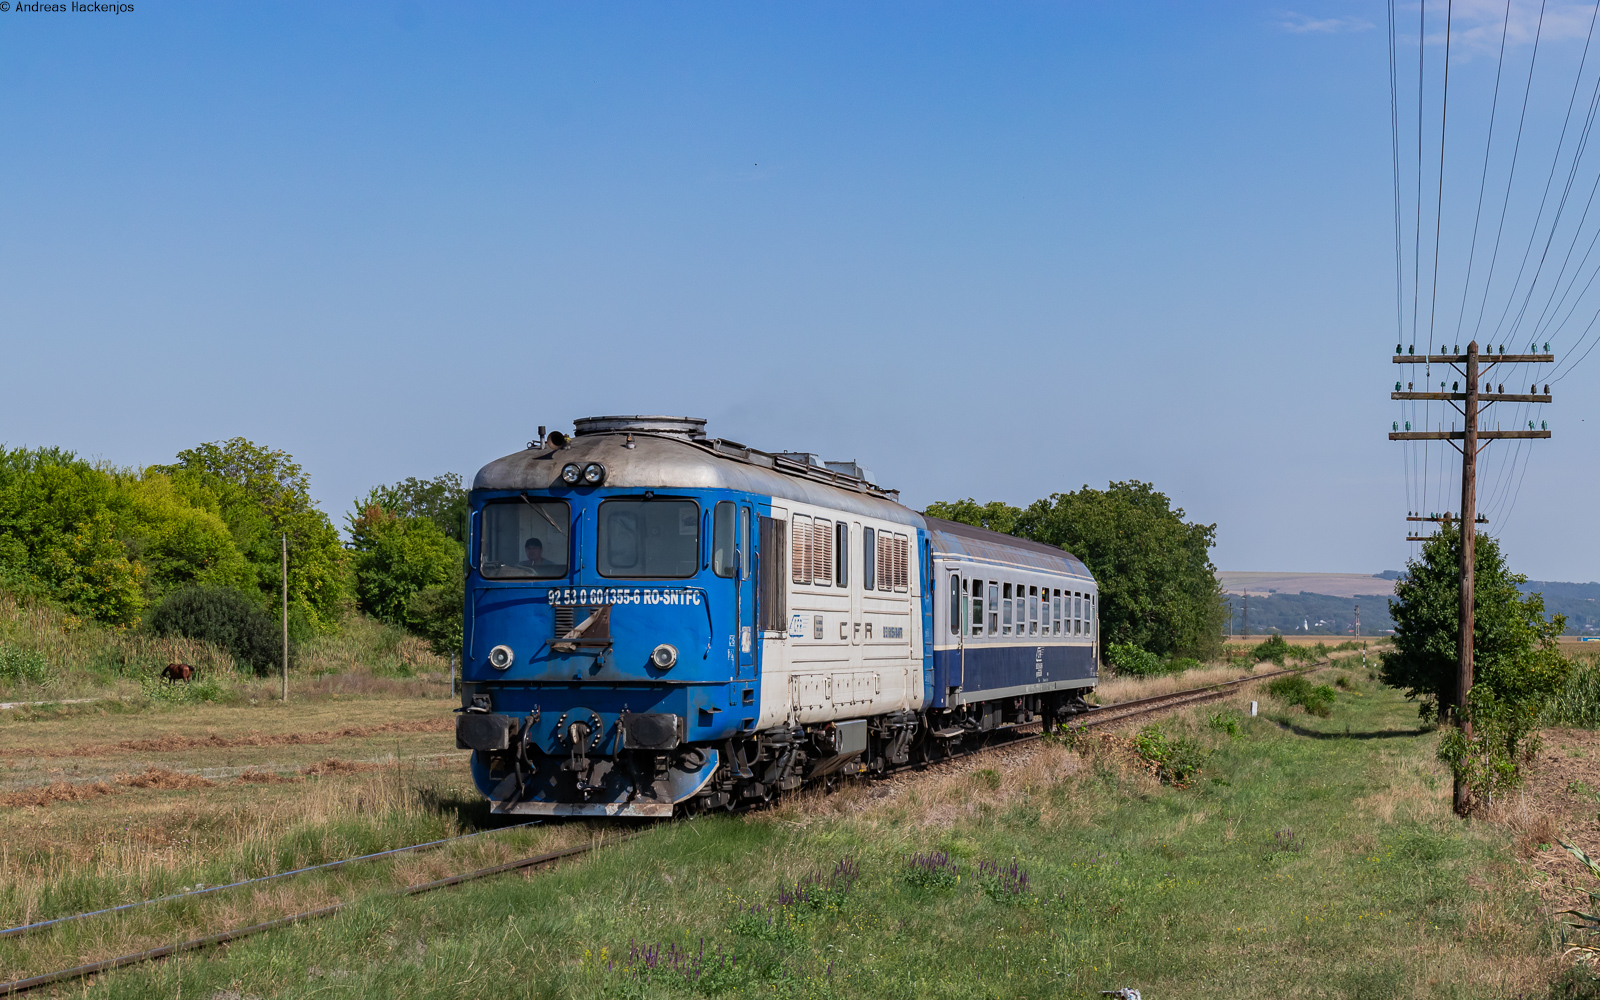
{"points": [[1467, 403], [286, 616]]}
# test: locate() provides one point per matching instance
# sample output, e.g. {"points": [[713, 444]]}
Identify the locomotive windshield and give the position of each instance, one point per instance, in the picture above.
{"points": [[525, 539], [649, 538]]}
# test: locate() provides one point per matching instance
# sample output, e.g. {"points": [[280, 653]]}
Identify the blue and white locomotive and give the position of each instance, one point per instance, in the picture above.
{"points": [[658, 621]]}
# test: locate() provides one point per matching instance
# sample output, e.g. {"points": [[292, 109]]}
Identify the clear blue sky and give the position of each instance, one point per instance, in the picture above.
{"points": [[989, 250]]}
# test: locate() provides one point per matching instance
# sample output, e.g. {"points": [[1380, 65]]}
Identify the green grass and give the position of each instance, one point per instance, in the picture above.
{"points": [[1309, 857]]}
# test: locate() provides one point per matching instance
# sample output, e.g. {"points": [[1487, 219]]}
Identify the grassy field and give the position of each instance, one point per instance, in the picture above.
{"points": [[1309, 857]]}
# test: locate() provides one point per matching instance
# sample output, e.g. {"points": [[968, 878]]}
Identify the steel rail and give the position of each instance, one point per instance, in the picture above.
{"points": [[22, 929], [1138, 706], [222, 937]]}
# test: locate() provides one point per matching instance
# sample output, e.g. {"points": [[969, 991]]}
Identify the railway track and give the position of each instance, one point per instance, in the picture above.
{"points": [[1099, 716]]}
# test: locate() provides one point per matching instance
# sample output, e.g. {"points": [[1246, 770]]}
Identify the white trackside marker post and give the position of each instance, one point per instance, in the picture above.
{"points": [[1252, 710]]}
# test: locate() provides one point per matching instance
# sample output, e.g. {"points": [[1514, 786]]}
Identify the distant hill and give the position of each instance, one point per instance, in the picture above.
{"points": [[1311, 614], [1274, 606], [1580, 602], [1332, 584]]}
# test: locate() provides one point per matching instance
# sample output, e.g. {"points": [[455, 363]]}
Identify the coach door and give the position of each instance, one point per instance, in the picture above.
{"points": [[745, 587], [958, 626]]}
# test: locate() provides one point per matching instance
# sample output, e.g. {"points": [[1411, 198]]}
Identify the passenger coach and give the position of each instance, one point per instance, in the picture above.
{"points": [[656, 620]]}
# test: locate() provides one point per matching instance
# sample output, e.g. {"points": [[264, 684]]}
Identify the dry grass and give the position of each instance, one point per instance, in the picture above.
{"points": [[1132, 688], [160, 777], [174, 742]]}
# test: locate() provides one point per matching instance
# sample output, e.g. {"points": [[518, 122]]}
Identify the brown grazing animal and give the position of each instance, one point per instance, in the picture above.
{"points": [[178, 672]]}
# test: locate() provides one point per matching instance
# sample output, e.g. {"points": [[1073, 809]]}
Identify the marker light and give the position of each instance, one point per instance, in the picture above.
{"points": [[571, 474], [664, 656], [501, 657], [594, 474]]}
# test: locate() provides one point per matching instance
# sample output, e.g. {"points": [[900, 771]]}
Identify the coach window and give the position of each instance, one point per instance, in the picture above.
{"points": [[524, 538], [822, 553], [1088, 614], [723, 558], [1057, 614], [1005, 604], [841, 553], [977, 607], [994, 608], [1077, 614], [955, 603], [649, 538], [1033, 610], [800, 549], [869, 559]]}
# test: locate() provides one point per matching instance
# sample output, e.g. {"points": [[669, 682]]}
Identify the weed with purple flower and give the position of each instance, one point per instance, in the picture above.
{"points": [[1005, 883], [933, 870], [819, 890], [707, 973]]}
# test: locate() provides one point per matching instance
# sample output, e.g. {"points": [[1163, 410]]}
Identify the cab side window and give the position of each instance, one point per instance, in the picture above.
{"points": [[723, 558]]}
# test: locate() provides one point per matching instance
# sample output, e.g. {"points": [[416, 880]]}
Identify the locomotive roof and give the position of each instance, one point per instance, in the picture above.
{"points": [[652, 461], [956, 538], [664, 453]]}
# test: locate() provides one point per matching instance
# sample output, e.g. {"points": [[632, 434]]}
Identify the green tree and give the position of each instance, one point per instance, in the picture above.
{"points": [[996, 515], [1427, 621], [102, 541], [442, 500], [398, 558], [1158, 586], [1517, 666], [262, 493]]}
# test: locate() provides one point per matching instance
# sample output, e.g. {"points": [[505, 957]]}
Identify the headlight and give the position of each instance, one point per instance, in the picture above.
{"points": [[501, 657], [571, 474], [594, 474], [664, 656]]}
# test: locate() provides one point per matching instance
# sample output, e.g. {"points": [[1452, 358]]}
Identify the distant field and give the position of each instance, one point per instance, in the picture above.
{"points": [[1331, 584]]}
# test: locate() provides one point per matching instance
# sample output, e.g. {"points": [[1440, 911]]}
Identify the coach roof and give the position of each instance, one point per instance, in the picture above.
{"points": [[959, 539]]}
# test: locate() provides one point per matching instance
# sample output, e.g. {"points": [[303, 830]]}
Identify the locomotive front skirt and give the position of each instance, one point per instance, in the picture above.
{"points": [[657, 621]]}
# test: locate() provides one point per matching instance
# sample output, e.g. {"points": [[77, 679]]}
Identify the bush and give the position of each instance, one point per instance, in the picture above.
{"points": [[1127, 658], [1175, 761], [23, 665], [1274, 649], [1222, 722], [435, 614], [225, 617], [1296, 690]]}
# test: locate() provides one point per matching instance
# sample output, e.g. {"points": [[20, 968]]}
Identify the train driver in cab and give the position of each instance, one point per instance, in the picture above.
{"points": [[533, 548]]}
